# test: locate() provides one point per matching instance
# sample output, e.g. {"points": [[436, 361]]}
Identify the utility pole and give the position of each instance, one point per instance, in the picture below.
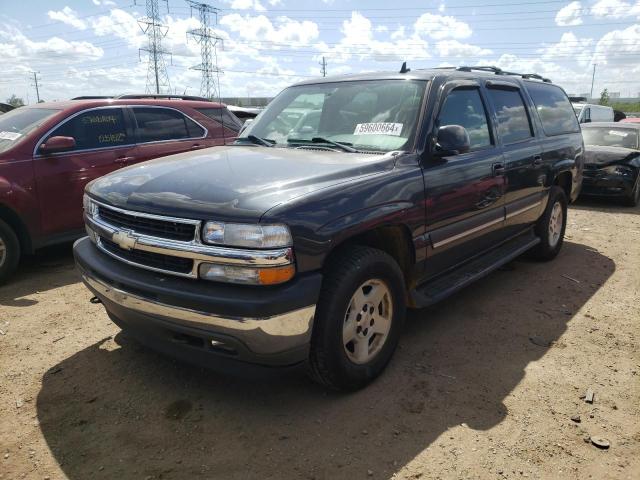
{"points": [[323, 70], [593, 77], [157, 76], [208, 40], [35, 84]]}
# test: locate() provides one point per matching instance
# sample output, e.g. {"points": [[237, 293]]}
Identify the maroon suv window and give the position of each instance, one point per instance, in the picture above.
{"points": [[160, 124], [98, 128]]}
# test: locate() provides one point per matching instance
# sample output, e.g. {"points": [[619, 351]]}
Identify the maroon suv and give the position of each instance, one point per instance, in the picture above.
{"points": [[50, 151]]}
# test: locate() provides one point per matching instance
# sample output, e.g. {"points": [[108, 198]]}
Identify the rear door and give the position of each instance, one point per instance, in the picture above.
{"points": [[522, 154], [465, 204], [104, 143], [162, 131]]}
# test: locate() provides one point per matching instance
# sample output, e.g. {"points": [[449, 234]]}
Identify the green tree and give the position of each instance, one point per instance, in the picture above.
{"points": [[15, 101], [604, 97]]}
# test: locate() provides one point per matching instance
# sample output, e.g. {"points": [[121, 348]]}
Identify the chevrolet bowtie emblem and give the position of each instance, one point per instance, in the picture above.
{"points": [[124, 239]]}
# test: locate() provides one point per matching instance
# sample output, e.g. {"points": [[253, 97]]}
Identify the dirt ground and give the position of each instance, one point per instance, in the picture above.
{"points": [[484, 385]]}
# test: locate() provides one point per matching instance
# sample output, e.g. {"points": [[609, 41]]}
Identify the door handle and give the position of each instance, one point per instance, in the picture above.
{"points": [[537, 160], [195, 146], [498, 169], [124, 159]]}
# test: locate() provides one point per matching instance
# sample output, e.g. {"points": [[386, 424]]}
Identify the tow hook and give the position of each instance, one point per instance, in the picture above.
{"points": [[95, 300]]}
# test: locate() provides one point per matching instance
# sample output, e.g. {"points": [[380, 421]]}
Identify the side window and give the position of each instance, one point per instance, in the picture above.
{"points": [[104, 127], [554, 109], [222, 116], [157, 124], [464, 107], [513, 120]]}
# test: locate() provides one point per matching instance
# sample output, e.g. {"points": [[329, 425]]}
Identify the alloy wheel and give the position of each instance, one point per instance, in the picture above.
{"points": [[367, 321], [555, 224]]}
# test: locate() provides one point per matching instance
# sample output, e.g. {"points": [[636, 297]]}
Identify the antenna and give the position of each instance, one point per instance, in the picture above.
{"points": [[157, 76], [208, 40], [404, 68]]}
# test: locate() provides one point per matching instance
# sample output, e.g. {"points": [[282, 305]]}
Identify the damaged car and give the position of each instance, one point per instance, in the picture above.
{"points": [[612, 161]]}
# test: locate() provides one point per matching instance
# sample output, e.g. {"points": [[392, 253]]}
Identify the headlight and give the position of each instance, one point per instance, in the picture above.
{"points": [[618, 170], [246, 275], [89, 206], [246, 235]]}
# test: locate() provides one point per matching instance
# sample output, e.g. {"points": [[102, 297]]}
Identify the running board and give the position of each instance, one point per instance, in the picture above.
{"points": [[441, 287]]}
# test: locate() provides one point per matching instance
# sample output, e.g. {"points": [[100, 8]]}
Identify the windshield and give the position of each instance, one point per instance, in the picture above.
{"points": [[611, 137], [378, 115], [20, 122]]}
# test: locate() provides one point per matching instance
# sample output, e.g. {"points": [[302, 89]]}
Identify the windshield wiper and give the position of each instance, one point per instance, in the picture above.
{"points": [[343, 145], [265, 142]]}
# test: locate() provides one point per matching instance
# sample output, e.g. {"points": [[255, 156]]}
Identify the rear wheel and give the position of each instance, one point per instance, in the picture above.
{"points": [[9, 251], [358, 320], [551, 226]]}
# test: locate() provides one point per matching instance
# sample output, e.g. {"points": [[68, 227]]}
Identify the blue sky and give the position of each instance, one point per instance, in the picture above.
{"points": [[91, 47]]}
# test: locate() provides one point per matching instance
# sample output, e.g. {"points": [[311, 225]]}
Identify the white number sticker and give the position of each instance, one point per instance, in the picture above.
{"points": [[618, 133], [379, 128], [10, 135]]}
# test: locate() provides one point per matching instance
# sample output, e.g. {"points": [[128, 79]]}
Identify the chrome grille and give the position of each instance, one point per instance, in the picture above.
{"points": [[155, 261], [148, 226]]}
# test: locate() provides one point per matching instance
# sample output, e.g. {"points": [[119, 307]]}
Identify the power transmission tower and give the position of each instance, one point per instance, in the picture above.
{"points": [[208, 40], [157, 76], [35, 84], [323, 70]]}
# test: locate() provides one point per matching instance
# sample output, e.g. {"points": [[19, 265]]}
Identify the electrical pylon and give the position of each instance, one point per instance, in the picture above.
{"points": [[208, 40], [157, 76]]}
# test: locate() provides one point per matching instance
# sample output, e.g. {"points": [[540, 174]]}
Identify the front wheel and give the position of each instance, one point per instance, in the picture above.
{"points": [[634, 197], [9, 251], [551, 226], [359, 318]]}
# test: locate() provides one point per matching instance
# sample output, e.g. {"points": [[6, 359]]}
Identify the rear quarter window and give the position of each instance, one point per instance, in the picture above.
{"points": [[554, 109]]}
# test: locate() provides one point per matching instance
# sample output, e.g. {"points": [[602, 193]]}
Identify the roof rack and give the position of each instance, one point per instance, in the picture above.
{"points": [[92, 97], [160, 96], [499, 71]]}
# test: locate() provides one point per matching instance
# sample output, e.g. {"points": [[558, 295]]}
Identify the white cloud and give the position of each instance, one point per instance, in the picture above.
{"points": [[360, 42], [248, 5], [69, 16], [570, 14], [454, 48], [440, 27], [260, 29], [619, 47], [274, 3], [51, 51], [615, 9], [120, 24], [106, 3], [569, 48]]}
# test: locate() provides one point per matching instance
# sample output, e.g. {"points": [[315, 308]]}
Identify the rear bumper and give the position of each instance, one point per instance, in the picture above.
{"points": [[197, 320]]}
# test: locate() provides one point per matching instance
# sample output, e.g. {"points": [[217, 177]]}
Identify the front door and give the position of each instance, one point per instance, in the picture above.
{"points": [[104, 143], [464, 193]]}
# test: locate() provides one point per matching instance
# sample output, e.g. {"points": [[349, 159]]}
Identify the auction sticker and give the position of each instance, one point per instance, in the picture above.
{"points": [[378, 128], [10, 135], [618, 133]]}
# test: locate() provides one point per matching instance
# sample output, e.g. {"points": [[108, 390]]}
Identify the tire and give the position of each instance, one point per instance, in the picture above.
{"points": [[551, 242], [634, 198], [9, 251], [334, 362]]}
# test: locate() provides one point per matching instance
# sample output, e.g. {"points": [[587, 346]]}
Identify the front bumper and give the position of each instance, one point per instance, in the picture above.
{"points": [[198, 320], [600, 184]]}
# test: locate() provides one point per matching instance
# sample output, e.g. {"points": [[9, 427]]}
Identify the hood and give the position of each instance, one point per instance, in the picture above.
{"points": [[602, 156], [233, 183]]}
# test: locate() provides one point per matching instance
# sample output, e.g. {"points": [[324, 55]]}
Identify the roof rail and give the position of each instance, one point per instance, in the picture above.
{"points": [[139, 96], [499, 71], [92, 97]]}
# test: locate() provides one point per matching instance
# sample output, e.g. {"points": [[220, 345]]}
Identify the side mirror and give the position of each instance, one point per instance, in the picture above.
{"points": [[452, 140], [246, 123], [57, 144]]}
